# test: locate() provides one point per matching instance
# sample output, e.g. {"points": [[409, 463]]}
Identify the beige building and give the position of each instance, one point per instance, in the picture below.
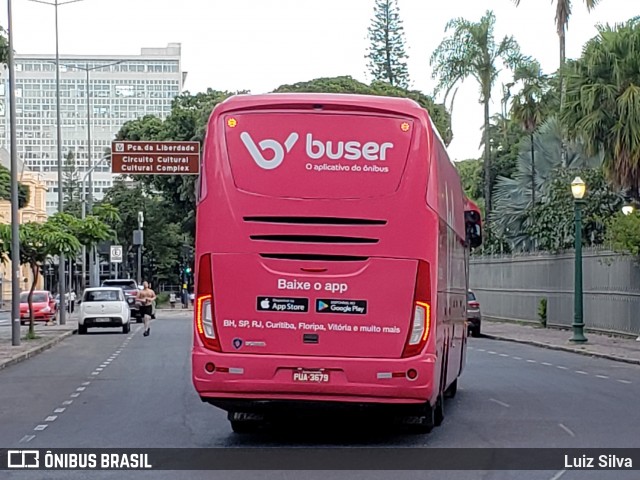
{"points": [[35, 211]]}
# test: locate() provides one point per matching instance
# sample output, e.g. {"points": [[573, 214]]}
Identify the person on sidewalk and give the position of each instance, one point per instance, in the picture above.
{"points": [[172, 299], [146, 297]]}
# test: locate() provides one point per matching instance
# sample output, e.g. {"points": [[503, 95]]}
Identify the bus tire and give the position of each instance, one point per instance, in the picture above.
{"points": [[82, 329], [452, 390], [438, 411], [421, 423]]}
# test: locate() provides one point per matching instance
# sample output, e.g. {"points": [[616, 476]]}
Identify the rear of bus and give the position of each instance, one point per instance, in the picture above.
{"points": [[316, 256]]}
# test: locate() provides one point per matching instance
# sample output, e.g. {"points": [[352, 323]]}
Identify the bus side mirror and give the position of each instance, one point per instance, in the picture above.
{"points": [[473, 227]]}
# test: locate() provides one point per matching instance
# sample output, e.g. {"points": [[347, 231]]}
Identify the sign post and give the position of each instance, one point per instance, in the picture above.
{"points": [[155, 158], [116, 256]]}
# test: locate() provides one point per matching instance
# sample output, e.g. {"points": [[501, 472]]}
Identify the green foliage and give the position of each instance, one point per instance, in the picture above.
{"points": [[603, 101], [4, 47], [553, 228], [542, 311], [386, 54], [162, 298], [471, 51], [470, 172], [623, 233], [5, 186], [71, 183], [346, 84]]}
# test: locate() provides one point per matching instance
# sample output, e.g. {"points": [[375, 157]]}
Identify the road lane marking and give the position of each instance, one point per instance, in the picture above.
{"points": [[561, 367], [67, 402], [547, 364], [118, 351], [75, 395], [95, 373], [59, 410], [627, 382], [500, 403], [86, 383], [532, 361], [558, 475], [602, 376], [481, 350], [51, 418], [504, 355], [491, 353], [39, 428], [27, 438], [517, 358], [581, 372], [81, 389], [566, 429]]}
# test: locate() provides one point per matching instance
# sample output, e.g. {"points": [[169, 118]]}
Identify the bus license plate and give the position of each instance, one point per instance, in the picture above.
{"points": [[103, 320], [310, 377]]}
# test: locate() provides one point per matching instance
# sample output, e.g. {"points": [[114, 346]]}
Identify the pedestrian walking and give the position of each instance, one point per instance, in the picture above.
{"points": [[146, 297], [172, 299]]}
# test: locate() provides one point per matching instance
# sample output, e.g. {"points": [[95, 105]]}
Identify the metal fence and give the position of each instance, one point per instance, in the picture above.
{"points": [[512, 287]]}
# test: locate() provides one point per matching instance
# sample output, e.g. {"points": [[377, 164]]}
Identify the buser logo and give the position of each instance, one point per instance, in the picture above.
{"points": [[315, 149]]}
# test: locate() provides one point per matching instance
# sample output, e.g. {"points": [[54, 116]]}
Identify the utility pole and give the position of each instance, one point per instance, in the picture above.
{"points": [[15, 219]]}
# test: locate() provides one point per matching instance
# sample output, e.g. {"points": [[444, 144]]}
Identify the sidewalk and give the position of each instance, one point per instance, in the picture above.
{"points": [[598, 345], [48, 336]]}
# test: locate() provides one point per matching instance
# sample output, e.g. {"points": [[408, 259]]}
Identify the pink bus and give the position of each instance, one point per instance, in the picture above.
{"points": [[331, 259]]}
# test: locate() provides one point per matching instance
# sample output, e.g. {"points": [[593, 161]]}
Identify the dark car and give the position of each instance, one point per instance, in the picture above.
{"points": [[474, 317], [130, 289]]}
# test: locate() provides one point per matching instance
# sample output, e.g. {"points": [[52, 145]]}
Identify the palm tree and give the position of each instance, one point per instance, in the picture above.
{"points": [[472, 51], [513, 196], [603, 101], [528, 108], [563, 12]]}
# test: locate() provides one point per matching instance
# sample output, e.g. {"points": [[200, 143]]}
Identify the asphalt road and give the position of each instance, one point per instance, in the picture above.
{"points": [[132, 391]]}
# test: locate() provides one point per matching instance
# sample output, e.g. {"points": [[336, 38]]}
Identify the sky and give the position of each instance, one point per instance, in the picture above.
{"points": [[258, 45]]}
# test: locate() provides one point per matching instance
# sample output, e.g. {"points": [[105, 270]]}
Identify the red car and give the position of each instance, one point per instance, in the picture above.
{"points": [[44, 307]]}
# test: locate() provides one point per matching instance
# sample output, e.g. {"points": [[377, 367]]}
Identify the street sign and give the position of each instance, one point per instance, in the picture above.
{"points": [[116, 254], [155, 158]]}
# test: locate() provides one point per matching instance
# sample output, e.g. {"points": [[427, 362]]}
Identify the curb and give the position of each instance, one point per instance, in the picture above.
{"points": [[563, 349], [21, 357]]}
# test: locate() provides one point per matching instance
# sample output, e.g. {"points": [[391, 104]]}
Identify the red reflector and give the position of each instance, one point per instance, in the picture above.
{"points": [[474, 304], [210, 367], [412, 374], [397, 374], [223, 370]]}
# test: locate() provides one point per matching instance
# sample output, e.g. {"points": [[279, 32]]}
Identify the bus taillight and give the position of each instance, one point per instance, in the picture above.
{"points": [[205, 318], [421, 321]]}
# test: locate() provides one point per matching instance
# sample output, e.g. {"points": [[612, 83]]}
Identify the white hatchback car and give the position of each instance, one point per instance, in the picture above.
{"points": [[104, 307]]}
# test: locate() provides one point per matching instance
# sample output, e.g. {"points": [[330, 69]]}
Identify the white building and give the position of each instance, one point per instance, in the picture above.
{"points": [[126, 88]]}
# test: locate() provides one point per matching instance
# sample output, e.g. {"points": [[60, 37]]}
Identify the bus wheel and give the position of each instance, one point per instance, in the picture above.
{"points": [[438, 411], [452, 390]]}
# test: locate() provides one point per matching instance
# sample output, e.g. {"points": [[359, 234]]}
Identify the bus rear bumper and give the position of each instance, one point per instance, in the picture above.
{"points": [[273, 381]]}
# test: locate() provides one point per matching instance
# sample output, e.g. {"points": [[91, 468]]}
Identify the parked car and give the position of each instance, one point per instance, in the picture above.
{"points": [[104, 307], [44, 307], [474, 317], [130, 289]]}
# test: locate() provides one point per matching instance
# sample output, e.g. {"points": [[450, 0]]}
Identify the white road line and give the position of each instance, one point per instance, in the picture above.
{"points": [[39, 428], [118, 351], [27, 438], [86, 383], [532, 361], [504, 355], [59, 410], [558, 475], [51, 418], [581, 372], [500, 403], [517, 358], [75, 395], [95, 373], [627, 382], [561, 367], [491, 353], [104, 365], [481, 350], [602, 376], [547, 364], [566, 429], [67, 402], [81, 389]]}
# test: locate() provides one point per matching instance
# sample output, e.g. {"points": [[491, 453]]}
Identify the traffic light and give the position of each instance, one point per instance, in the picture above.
{"points": [[187, 270]]}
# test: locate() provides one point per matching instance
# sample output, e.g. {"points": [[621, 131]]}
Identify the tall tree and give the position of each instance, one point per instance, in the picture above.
{"points": [[71, 179], [563, 12], [472, 51], [603, 101], [528, 109], [387, 55], [5, 188], [4, 47]]}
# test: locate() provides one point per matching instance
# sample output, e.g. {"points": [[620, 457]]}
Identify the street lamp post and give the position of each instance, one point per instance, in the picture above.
{"points": [[578, 189], [61, 277]]}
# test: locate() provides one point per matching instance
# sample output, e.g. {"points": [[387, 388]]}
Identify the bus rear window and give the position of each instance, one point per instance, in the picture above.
{"points": [[308, 155]]}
